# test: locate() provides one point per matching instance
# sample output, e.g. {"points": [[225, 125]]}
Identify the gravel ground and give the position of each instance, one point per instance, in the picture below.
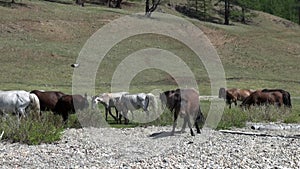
{"points": [[153, 147]]}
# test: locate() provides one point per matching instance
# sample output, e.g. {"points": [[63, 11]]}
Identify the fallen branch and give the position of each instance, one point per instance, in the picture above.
{"points": [[1, 135], [259, 134], [275, 127]]}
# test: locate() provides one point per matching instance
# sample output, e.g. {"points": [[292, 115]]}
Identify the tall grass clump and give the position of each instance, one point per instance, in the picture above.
{"points": [[237, 117], [267, 114], [32, 130], [232, 118]]}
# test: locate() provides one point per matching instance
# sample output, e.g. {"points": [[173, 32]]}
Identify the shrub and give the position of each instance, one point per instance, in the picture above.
{"points": [[232, 117], [32, 130]]}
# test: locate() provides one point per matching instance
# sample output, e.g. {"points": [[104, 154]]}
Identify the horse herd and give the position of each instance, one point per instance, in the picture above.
{"points": [[277, 97], [21, 102], [182, 103]]}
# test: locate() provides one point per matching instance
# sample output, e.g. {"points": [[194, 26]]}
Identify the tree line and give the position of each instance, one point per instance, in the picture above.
{"points": [[239, 9]]}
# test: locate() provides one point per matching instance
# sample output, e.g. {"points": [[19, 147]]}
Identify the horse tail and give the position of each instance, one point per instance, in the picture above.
{"points": [[287, 99], [200, 117], [153, 102], [147, 100]]}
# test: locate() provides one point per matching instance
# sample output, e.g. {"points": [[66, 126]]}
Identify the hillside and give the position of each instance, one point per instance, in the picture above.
{"points": [[40, 40]]}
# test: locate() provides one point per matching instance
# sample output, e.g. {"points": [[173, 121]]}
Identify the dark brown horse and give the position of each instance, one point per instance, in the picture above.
{"points": [[286, 97], [233, 95], [185, 103], [48, 99], [259, 98], [70, 104]]}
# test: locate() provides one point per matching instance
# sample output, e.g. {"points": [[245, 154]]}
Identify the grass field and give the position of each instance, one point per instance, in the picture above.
{"points": [[39, 40]]}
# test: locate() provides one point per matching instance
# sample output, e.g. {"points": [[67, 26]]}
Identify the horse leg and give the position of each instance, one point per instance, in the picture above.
{"points": [[65, 116], [131, 115], [109, 110], [229, 102], [106, 112], [183, 126], [120, 118], [235, 102], [199, 119], [125, 114], [117, 114], [187, 118], [175, 122]]}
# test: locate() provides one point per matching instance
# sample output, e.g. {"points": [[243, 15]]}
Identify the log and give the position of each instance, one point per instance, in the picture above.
{"points": [[275, 127], [1, 135], [259, 134]]}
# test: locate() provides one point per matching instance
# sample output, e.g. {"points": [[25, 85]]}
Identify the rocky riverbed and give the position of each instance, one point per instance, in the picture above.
{"points": [[153, 147]]}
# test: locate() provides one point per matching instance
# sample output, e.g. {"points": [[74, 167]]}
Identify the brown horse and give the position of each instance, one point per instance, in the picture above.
{"points": [[286, 97], [70, 104], [233, 95], [259, 98], [48, 99], [185, 103]]}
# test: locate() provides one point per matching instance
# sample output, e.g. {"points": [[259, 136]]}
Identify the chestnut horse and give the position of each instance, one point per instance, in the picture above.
{"points": [[48, 99], [70, 104], [185, 103], [233, 95], [259, 98], [286, 97]]}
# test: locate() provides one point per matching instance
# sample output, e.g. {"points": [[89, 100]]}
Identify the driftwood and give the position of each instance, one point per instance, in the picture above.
{"points": [[259, 134], [275, 127], [1, 135]]}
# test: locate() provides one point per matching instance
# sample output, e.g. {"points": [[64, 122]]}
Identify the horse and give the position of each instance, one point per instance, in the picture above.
{"points": [[35, 104], [153, 104], [184, 103], [108, 100], [18, 102], [48, 99], [132, 102], [70, 104], [285, 96], [233, 95], [260, 98]]}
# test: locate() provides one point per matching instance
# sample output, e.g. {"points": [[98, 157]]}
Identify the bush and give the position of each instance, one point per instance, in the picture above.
{"points": [[32, 130], [232, 117], [236, 117]]}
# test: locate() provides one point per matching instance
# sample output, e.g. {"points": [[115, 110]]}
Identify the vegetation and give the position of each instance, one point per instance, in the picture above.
{"points": [[32, 130]]}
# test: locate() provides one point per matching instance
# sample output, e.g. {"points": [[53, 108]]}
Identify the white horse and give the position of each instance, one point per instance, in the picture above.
{"points": [[153, 104], [18, 102], [109, 101], [132, 102]]}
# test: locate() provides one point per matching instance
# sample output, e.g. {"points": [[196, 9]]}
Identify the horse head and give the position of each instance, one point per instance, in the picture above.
{"points": [[222, 93]]}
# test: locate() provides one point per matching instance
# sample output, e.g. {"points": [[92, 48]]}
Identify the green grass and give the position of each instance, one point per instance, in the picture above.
{"points": [[32, 130]]}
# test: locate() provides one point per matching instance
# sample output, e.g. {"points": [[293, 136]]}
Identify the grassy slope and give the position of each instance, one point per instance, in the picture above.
{"points": [[40, 41]]}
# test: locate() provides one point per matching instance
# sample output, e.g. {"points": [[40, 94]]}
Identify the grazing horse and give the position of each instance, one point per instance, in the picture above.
{"points": [[233, 95], [132, 102], [108, 100], [285, 96], [185, 103], [18, 102], [70, 104], [48, 99], [260, 98]]}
